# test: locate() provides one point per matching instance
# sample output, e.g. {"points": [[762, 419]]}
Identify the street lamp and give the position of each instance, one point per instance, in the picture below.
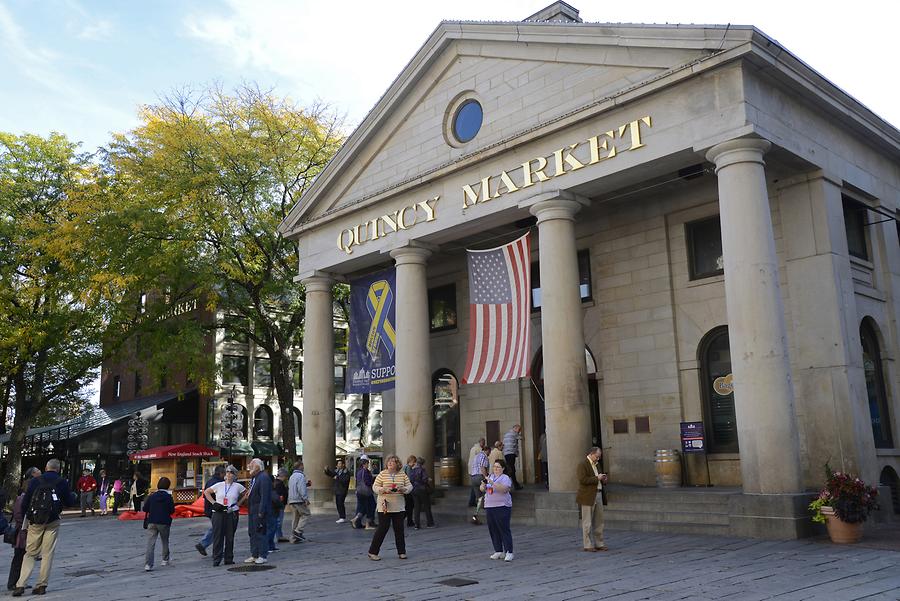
{"points": [[138, 433], [230, 432]]}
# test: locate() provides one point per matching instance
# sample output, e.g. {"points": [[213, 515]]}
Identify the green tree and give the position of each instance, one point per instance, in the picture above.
{"points": [[214, 174]]}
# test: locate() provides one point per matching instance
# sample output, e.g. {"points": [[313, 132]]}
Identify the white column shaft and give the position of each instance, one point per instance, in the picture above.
{"points": [[318, 381]]}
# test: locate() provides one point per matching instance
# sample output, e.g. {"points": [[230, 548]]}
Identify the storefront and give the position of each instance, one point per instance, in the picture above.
{"points": [[713, 238], [181, 464]]}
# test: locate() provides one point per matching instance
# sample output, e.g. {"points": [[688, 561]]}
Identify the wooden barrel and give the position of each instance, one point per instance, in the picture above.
{"points": [[449, 472], [668, 468]]}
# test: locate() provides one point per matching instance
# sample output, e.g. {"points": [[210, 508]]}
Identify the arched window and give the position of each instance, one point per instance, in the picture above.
{"points": [[340, 424], [262, 421], [376, 427], [355, 424], [298, 423], [446, 414], [889, 478], [878, 407], [717, 390]]}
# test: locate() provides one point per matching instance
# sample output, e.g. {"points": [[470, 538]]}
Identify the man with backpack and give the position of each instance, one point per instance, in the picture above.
{"points": [[44, 501]]}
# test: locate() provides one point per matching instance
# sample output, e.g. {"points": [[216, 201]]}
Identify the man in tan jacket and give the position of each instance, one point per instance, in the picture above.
{"points": [[590, 483]]}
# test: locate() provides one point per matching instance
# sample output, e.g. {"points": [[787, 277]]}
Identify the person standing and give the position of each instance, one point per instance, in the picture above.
{"points": [[476, 448], [421, 494], [15, 566], [279, 502], [390, 485], [224, 499], [478, 471], [590, 483], [365, 496], [298, 499], [103, 487], [139, 490], [159, 508], [217, 476], [341, 476], [86, 487], [495, 454], [512, 443], [43, 502], [498, 506], [408, 500], [120, 488], [260, 500]]}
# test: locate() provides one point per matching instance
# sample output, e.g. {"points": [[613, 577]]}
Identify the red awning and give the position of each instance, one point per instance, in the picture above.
{"points": [[176, 450]]}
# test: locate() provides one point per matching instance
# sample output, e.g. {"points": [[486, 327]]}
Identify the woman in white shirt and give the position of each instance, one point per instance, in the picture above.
{"points": [[226, 497]]}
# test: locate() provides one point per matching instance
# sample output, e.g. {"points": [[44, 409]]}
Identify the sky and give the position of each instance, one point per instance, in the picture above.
{"points": [[84, 68]]}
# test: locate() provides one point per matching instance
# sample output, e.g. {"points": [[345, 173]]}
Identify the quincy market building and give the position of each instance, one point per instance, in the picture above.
{"points": [[714, 239]]}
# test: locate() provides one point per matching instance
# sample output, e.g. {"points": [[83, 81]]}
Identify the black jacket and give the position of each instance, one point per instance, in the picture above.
{"points": [[65, 497], [207, 506], [341, 480]]}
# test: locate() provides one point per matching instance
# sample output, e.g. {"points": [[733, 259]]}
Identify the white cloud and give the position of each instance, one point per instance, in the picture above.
{"points": [[98, 30]]}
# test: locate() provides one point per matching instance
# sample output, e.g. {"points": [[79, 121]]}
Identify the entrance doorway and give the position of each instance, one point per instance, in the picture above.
{"points": [[539, 416]]}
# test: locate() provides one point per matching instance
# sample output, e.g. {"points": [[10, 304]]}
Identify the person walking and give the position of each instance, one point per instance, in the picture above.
{"points": [[390, 485], [498, 506], [103, 486], [341, 476], [476, 448], [298, 499], [260, 500], [15, 566], [159, 508], [408, 500], [119, 488], [421, 493], [224, 499], [217, 476], [86, 487], [478, 471], [588, 497], [512, 443], [365, 496], [495, 454], [43, 502], [279, 502]]}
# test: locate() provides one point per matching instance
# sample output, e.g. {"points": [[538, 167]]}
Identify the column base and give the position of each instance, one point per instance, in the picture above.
{"points": [[773, 517]]}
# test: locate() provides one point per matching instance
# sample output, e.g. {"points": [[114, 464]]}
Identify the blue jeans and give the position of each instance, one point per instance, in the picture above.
{"points": [[273, 527], [207, 539], [259, 543], [498, 527]]}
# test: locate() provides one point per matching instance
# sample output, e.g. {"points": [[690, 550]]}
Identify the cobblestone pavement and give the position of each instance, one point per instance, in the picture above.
{"points": [[101, 559]]}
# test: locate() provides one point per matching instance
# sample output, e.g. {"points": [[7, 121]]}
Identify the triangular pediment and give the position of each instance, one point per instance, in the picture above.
{"points": [[525, 75]]}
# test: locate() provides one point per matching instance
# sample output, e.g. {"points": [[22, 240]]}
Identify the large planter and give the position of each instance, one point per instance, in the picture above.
{"points": [[841, 532]]}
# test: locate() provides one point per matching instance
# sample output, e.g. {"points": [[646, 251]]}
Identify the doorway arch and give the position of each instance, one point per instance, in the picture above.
{"points": [[445, 412]]}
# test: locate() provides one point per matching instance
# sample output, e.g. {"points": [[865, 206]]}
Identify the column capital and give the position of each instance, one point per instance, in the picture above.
{"points": [[740, 150], [556, 208], [412, 254], [317, 282]]}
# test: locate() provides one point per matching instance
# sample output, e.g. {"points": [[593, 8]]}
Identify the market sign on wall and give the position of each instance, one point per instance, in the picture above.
{"points": [[596, 149]]}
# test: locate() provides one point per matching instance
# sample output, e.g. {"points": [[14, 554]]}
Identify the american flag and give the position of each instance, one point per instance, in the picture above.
{"points": [[499, 313]]}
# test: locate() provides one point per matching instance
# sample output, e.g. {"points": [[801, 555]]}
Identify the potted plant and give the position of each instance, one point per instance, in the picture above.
{"points": [[843, 505]]}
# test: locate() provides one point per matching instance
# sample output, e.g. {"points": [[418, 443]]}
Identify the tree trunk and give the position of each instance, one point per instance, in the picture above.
{"points": [[281, 379], [364, 419], [7, 388], [16, 441]]}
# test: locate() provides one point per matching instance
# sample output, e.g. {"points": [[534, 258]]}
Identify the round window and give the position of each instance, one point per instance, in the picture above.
{"points": [[467, 121]]}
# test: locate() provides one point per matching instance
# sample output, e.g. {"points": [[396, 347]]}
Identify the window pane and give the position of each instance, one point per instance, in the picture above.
{"points": [[442, 307], [230, 326], [875, 391], [722, 423], [376, 428], [704, 242], [585, 291], [234, 370], [340, 372], [467, 121], [340, 424], [855, 224], [355, 425], [262, 373]]}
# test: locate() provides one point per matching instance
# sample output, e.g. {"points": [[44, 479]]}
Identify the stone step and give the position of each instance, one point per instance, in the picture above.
{"points": [[669, 527], [625, 515], [642, 505], [674, 497]]}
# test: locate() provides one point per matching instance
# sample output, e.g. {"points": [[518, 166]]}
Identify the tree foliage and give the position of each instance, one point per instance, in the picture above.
{"points": [[210, 175]]}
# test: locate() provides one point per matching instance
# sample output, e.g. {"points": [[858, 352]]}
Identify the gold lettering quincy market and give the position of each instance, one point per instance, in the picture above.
{"points": [[601, 147], [382, 226]]}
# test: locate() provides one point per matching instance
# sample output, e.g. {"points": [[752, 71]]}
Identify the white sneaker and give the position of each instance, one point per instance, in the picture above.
{"points": [[264, 560], [147, 567], [250, 560], [340, 521], [509, 557], [166, 562], [497, 555]]}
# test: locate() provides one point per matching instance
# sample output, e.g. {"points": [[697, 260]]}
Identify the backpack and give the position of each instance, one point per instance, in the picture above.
{"points": [[42, 509]]}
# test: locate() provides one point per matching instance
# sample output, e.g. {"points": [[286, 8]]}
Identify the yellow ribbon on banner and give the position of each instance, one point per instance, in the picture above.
{"points": [[378, 301]]}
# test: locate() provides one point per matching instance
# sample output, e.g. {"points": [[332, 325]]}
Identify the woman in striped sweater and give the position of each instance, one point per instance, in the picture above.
{"points": [[390, 486]]}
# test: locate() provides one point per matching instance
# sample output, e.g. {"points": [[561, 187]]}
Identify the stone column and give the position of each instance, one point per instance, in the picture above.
{"points": [[763, 391], [318, 384], [414, 430], [565, 373]]}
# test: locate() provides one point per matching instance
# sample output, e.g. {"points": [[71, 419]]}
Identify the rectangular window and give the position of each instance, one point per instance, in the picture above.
{"points": [[340, 375], [855, 219], [642, 424], [442, 307], [297, 374], [234, 370], [234, 329], [584, 280], [620, 426], [262, 373], [704, 246], [117, 388]]}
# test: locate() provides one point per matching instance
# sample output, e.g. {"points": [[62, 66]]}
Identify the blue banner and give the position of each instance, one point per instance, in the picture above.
{"points": [[372, 339]]}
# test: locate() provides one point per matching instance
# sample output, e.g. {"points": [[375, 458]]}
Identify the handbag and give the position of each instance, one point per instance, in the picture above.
{"points": [[363, 489], [10, 536]]}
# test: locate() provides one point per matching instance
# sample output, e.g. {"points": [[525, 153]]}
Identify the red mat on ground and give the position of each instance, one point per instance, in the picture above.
{"points": [[194, 510]]}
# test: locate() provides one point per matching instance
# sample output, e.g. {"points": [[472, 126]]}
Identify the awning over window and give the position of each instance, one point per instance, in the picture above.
{"points": [[239, 448], [266, 449]]}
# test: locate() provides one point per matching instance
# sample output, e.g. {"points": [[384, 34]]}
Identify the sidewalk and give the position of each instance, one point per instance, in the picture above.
{"points": [[102, 558]]}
